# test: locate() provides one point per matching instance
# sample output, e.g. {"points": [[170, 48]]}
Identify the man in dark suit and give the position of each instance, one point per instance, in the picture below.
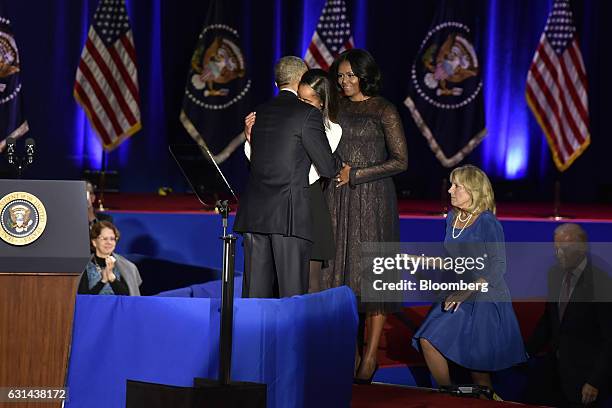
{"points": [[576, 325], [94, 216], [274, 213]]}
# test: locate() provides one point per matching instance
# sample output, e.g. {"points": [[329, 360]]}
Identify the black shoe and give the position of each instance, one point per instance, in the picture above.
{"points": [[367, 381]]}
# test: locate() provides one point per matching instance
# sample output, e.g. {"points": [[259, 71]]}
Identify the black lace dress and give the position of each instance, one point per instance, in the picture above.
{"points": [[365, 210]]}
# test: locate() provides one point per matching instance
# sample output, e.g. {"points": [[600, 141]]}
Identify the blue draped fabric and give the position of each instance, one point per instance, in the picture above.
{"points": [[189, 239], [173, 242], [51, 40], [302, 347]]}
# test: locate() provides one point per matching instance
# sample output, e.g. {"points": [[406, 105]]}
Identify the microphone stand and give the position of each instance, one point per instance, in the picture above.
{"points": [[227, 297], [204, 175]]}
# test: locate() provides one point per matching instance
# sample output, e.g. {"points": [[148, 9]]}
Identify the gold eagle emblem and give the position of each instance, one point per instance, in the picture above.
{"points": [[455, 61], [20, 218], [221, 63]]}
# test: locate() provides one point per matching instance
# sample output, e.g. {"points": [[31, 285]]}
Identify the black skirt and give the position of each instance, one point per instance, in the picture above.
{"points": [[323, 246]]}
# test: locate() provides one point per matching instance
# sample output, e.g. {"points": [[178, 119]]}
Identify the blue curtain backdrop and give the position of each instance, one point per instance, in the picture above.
{"points": [[514, 154]]}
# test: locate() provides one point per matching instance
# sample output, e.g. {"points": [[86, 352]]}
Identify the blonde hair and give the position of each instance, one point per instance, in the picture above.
{"points": [[477, 185]]}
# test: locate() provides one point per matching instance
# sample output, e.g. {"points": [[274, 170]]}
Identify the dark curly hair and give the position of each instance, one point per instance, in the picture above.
{"points": [[96, 229], [363, 66]]}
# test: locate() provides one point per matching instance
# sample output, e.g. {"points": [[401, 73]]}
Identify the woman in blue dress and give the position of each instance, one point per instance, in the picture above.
{"points": [[477, 330]]}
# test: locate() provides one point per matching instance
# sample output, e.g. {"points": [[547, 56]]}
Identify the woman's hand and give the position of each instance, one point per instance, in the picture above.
{"points": [[343, 177], [107, 272], [249, 121], [589, 393], [454, 300]]}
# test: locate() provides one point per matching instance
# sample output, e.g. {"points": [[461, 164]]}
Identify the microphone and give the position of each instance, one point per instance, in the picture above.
{"points": [[29, 143], [10, 149]]}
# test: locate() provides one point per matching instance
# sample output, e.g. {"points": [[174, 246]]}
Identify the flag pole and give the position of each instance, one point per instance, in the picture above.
{"points": [[102, 181], [556, 200], [557, 203], [444, 197]]}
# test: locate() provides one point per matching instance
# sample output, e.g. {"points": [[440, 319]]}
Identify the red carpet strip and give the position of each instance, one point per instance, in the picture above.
{"points": [[389, 396]]}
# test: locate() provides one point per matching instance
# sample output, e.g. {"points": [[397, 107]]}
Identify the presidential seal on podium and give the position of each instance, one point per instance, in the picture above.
{"points": [[22, 218]]}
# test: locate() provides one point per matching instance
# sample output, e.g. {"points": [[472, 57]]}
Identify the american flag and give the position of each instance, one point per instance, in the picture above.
{"points": [[557, 87], [332, 36], [106, 84]]}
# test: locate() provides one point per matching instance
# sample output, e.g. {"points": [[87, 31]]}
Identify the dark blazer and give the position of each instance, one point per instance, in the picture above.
{"points": [[287, 137], [582, 341]]}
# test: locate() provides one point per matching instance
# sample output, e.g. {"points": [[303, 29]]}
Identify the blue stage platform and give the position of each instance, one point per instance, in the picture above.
{"points": [[301, 347]]}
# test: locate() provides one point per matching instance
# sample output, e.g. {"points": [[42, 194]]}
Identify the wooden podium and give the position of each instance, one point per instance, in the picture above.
{"points": [[38, 283]]}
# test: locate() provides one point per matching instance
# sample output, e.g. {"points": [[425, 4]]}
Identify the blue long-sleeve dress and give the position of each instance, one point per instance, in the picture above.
{"points": [[483, 334]]}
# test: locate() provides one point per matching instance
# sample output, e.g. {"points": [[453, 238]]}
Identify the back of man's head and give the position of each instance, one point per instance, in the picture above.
{"points": [[289, 70]]}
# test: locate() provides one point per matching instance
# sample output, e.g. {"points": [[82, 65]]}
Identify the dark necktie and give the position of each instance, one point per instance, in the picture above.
{"points": [[564, 297]]}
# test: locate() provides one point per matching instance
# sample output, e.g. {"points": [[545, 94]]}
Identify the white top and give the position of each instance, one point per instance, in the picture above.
{"points": [[333, 131]]}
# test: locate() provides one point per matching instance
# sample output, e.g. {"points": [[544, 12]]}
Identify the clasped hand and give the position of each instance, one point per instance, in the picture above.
{"points": [[589, 393], [107, 272]]}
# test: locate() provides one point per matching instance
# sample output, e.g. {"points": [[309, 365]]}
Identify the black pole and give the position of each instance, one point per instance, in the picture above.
{"points": [[102, 181], [557, 201], [227, 298], [444, 196]]}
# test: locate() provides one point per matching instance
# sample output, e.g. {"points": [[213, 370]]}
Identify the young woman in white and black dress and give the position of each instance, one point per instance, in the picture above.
{"points": [[317, 90]]}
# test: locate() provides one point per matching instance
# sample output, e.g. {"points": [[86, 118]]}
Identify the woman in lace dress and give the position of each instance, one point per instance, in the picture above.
{"points": [[362, 202]]}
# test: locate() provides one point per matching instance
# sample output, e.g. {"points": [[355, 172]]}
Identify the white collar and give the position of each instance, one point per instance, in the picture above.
{"points": [[288, 89]]}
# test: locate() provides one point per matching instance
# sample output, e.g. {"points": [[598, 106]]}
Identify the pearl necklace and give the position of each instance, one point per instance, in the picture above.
{"points": [[467, 218], [465, 223]]}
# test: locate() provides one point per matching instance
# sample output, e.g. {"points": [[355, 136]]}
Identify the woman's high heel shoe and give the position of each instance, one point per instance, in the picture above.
{"points": [[366, 381]]}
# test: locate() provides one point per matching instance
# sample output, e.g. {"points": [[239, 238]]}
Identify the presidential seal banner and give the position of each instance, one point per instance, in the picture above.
{"points": [[214, 104], [12, 121], [446, 96]]}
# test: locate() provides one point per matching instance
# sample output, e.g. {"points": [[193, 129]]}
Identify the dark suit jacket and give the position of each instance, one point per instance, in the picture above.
{"points": [[287, 137], [583, 339]]}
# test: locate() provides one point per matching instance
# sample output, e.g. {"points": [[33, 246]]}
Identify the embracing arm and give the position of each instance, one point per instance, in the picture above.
{"points": [[315, 142]]}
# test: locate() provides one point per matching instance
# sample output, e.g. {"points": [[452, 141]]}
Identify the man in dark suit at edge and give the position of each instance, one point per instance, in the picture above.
{"points": [[274, 213], [576, 324]]}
